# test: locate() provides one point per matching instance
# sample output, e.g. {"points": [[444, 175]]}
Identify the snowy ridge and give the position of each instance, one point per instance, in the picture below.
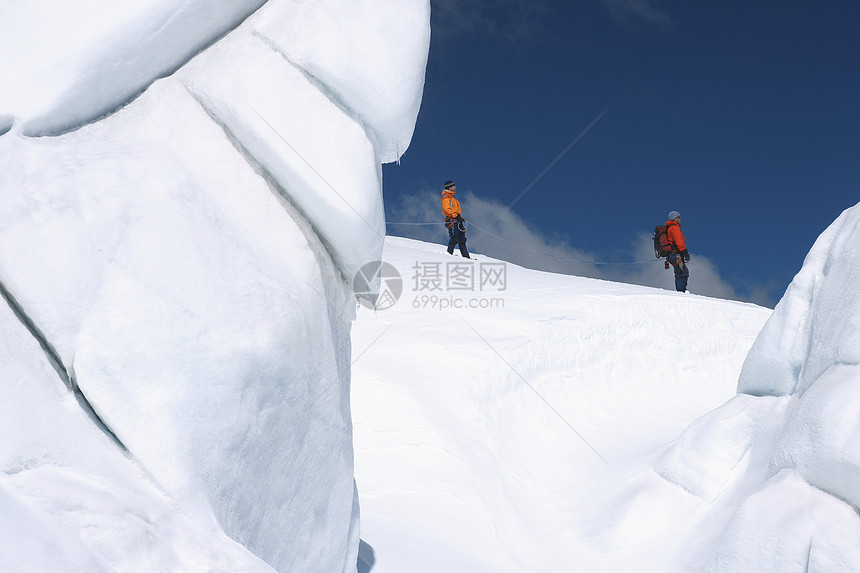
{"points": [[356, 69], [814, 329], [805, 459], [296, 144]]}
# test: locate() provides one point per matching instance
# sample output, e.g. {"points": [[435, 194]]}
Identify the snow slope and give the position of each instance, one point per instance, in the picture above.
{"points": [[484, 435]]}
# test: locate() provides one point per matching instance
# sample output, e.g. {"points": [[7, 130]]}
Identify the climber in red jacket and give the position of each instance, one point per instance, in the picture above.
{"points": [[679, 254]]}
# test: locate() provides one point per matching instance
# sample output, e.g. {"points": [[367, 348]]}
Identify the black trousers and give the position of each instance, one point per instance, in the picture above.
{"points": [[458, 236]]}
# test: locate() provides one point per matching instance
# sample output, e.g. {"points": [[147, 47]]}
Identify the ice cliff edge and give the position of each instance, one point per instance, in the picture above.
{"points": [[180, 250]]}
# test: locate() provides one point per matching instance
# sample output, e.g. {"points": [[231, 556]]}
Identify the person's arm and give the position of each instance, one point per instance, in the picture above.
{"points": [[676, 237]]}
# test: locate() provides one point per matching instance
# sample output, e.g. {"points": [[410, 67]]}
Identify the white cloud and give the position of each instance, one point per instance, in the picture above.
{"points": [[497, 231]]}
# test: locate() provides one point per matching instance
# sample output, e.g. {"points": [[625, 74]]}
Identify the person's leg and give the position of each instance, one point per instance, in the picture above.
{"points": [[452, 241], [682, 273], [461, 238]]}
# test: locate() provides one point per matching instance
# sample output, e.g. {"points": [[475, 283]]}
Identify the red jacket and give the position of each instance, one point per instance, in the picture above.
{"points": [[676, 237]]}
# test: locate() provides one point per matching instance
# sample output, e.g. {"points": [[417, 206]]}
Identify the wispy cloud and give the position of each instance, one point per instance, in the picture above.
{"points": [[631, 11], [516, 19], [498, 232]]}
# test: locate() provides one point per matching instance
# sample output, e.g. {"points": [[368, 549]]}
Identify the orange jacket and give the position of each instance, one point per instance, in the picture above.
{"points": [[676, 237], [450, 206]]}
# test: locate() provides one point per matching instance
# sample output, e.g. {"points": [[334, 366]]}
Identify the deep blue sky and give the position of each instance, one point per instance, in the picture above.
{"points": [[743, 115]]}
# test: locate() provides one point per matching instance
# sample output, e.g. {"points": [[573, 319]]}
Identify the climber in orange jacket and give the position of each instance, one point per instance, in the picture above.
{"points": [[679, 254], [454, 220]]}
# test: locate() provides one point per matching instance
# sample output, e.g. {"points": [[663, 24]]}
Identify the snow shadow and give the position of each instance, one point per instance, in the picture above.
{"points": [[366, 558], [5, 124]]}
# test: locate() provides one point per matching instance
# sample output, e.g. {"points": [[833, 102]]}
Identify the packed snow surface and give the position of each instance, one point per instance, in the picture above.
{"points": [[568, 424], [491, 415]]}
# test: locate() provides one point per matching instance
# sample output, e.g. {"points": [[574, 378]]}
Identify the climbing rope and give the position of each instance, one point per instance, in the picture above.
{"points": [[392, 223], [529, 248]]}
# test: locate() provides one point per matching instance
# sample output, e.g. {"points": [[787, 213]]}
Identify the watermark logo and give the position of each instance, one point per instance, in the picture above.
{"points": [[442, 286], [447, 277], [378, 285], [435, 284]]}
